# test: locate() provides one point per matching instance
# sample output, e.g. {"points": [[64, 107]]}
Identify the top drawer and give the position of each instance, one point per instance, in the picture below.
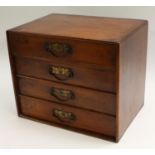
{"points": [[59, 49]]}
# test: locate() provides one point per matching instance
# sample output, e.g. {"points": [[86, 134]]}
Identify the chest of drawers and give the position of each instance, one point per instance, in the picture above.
{"points": [[81, 73]]}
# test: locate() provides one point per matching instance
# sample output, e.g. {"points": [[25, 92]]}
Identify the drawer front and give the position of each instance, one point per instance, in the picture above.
{"points": [[69, 74], [70, 95], [64, 50], [68, 116]]}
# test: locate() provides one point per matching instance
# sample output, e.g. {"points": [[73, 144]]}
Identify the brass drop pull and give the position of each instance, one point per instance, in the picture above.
{"points": [[64, 116], [62, 94], [58, 49], [61, 73]]}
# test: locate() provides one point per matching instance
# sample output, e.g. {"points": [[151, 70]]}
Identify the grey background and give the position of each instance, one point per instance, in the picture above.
{"points": [[21, 133]]}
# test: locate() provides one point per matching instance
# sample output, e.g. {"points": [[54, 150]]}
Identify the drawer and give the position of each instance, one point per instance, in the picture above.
{"points": [[67, 94], [70, 74], [68, 116], [58, 49]]}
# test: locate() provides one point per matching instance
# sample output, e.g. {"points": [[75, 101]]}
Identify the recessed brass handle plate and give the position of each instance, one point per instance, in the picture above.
{"points": [[58, 49], [61, 73], [64, 116], [62, 94]]}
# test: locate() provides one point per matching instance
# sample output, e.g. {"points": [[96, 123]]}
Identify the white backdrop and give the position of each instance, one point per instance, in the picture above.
{"points": [[16, 132]]}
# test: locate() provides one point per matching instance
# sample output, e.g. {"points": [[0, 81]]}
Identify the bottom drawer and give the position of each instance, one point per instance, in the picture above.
{"points": [[68, 116]]}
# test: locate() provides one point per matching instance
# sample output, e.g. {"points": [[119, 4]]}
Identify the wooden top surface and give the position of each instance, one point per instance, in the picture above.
{"points": [[83, 27]]}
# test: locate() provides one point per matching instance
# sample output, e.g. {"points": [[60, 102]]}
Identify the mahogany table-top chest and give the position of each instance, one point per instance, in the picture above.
{"points": [[81, 73]]}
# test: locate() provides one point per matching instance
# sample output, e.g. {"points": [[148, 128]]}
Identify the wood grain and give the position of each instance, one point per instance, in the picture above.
{"points": [[83, 27], [91, 121], [84, 98], [109, 62], [82, 51], [132, 68], [82, 76]]}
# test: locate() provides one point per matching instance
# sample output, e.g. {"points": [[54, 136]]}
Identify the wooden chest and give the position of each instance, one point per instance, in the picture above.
{"points": [[81, 73]]}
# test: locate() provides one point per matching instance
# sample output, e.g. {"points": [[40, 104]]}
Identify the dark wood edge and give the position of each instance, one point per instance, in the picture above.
{"points": [[82, 131], [63, 37], [13, 73], [117, 90]]}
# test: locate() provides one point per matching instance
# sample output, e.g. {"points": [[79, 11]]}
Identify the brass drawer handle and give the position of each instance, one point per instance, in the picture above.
{"points": [[62, 94], [64, 116], [58, 49], [61, 73]]}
